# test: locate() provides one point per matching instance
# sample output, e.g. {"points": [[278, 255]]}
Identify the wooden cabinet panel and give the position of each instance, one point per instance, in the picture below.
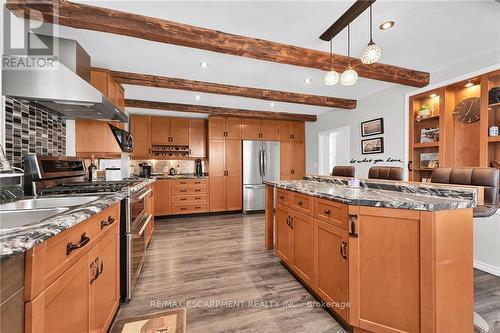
{"points": [[93, 136], [332, 271], [269, 130], [179, 131], [198, 137], [298, 156], [100, 79], [216, 127], [161, 197], [298, 131], [64, 305], [218, 193], [303, 203], [283, 234], [335, 213], [160, 130], [302, 245], [233, 128], [283, 197], [104, 291], [217, 175], [285, 130], [250, 129], [140, 128], [234, 185], [234, 193], [286, 160]]}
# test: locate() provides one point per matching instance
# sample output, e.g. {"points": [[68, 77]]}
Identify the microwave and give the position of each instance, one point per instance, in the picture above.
{"points": [[124, 138]]}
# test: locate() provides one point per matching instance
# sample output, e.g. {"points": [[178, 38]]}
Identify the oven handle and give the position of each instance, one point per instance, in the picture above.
{"points": [[144, 194], [141, 231]]}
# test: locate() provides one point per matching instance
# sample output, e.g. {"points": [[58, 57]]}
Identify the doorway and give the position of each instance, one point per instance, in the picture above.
{"points": [[333, 149]]}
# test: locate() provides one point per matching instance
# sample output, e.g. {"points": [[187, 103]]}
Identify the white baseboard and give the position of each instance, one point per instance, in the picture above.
{"points": [[487, 268]]}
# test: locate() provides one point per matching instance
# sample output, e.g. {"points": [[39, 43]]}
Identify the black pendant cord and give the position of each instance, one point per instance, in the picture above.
{"points": [[371, 25], [349, 44], [331, 56]]}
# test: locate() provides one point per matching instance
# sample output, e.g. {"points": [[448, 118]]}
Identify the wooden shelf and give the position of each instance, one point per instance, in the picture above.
{"points": [[436, 116], [426, 145], [494, 138], [423, 169]]}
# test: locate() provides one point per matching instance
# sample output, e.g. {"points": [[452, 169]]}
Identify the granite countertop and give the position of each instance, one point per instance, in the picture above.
{"points": [[186, 176], [20, 239], [373, 197]]}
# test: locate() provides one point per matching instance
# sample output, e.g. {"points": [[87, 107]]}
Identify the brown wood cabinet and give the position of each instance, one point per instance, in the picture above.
{"points": [[106, 84], [150, 210], [259, 129], [189, 196], [140, 128], [292, 160], [162, 197], [283, 234], [225, 175], [198, 138], [224, 128], [302, 245], [94, 137], [290, 130], [169, 131]]}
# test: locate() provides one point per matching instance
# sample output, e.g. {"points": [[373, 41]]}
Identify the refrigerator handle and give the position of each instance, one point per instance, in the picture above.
{"points": [[264, 164], [261, 162]]}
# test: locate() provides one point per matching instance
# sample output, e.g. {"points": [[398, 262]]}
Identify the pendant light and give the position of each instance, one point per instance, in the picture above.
{"points": [[372, 52], [349, 77], [331, 77]]}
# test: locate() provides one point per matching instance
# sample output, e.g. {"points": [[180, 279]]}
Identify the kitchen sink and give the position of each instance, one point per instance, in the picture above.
{"points": [[48, 203], [19, 218]]}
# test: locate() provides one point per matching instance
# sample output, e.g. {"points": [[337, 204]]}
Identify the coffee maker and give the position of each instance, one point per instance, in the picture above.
{"points": [[198, 167], [145, 170]]}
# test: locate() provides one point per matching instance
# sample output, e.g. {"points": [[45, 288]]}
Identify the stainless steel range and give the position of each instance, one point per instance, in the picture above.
{"points": [[50, 176]]}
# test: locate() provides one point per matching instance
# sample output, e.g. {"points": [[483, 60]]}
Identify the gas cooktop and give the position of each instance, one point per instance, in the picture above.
{"points": [[90, 187]]}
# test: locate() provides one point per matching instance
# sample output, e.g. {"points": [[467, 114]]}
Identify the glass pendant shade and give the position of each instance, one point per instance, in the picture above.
{"points": [[349, 77], [331, 77], [371, 54]]}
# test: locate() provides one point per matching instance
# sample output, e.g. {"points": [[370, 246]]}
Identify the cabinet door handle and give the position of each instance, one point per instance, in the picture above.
{"points": [[288, 220], [95, 271], [343, 250], [107, 222], [353, 230], [281, 196], [197, 198], [182, 191], [327, 211], [84, 240], [183, 199], [197, 190], [299, 203], [100, 266], [183, 208], [291, 222]]}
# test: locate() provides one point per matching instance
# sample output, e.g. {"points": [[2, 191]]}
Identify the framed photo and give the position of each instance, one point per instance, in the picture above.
{"points": [[372, 146], [372, 127], [429, 135], [429, 161]]}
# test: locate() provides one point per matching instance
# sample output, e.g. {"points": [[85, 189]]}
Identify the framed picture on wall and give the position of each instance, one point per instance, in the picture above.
{"points": [[372, 127], [372, 146]]}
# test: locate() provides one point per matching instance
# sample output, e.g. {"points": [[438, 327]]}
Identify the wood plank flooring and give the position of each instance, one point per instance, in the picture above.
{"points": [[197, 260]]}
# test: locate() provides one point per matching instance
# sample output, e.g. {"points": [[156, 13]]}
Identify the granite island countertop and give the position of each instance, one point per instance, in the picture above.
{"points": [[373, 197], [20, 239], [188, 176]]}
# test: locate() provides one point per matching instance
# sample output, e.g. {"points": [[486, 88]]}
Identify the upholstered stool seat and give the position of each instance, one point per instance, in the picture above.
{"points": [[385, 172], [343, 171]]}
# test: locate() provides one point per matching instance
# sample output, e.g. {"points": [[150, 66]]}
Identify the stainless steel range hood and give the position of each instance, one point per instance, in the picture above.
{"points": [[60, 89]]}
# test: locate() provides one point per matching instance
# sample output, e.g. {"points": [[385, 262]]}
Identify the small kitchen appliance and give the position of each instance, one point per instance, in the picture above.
{"points": [[198, 167], [145, 170]]}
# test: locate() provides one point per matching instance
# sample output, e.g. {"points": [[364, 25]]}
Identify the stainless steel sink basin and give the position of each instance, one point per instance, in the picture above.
{"points": [[48, 202], [19, 218]]}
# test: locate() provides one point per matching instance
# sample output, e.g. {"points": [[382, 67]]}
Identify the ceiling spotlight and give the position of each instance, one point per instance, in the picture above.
{"points": [[271, 104], [307, 80], [469, 84], [433, 95], [371, 53], [331, 77], [198, 97], [204, 64], [349, 77], [386, 25]]}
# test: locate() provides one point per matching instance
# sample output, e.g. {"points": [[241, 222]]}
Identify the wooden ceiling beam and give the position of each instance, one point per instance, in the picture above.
{"points": [[224, 89], [350, 15], [218, 111], [82, 16]]}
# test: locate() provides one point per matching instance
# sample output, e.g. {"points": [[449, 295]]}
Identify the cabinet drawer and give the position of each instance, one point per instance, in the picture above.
{"points": [[189, 208], [186, 189], [183, 199], [49, 260], [190, 182], [283, 197], [335, 213], [302, 203]]}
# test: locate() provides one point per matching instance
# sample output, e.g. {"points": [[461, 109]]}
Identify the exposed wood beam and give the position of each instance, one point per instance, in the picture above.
{"points": [[219, 111], [350, 15], [88, 17], [224, 89]]}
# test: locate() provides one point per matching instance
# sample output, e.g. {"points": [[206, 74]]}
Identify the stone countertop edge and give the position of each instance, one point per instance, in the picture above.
{"points": [[17, 240], [179, 177], [372, 197]]}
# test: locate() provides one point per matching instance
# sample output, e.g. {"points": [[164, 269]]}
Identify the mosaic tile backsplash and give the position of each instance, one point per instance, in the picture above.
{"points": [[30, 129]]}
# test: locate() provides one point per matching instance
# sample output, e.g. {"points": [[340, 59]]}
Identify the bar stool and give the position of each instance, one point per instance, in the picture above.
{"points": [[343, 171], [385, 172]]}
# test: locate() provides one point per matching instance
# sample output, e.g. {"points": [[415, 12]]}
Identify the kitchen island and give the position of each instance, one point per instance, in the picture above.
{"points": [[383, 259]]}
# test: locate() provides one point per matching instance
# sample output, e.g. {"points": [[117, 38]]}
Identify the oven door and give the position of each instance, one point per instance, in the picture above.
{"points": [[137, 209], [136, 250]]}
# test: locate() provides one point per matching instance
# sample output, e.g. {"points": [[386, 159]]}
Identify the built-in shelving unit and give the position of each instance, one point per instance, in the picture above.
{"points": [[436, 134]]}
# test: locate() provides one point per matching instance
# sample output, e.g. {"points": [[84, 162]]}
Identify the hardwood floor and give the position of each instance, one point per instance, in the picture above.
{"points": [[197, 260]]}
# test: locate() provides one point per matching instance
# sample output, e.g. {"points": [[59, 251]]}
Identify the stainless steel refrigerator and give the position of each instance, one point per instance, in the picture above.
{"points": [[261, 161]]}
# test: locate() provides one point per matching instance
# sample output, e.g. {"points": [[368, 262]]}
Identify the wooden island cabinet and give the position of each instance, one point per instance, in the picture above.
{"points": [[377, 269]]}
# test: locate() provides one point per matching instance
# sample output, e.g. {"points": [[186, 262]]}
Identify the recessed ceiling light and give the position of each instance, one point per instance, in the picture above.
{"points": [[434, 95], [198, 97], [307, 80], [469, 84], [386, 25], [204, 64], [271, 104]]}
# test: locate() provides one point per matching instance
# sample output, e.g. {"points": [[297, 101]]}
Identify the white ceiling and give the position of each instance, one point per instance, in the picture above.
{"points": [[428, 35]]}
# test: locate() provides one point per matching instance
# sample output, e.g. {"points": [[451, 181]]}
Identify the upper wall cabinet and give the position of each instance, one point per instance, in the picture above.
{"points": [[259, 129], [198, 137], [224, 128], [140, 127], [291, 130], [169, 131], [104, 82]]}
